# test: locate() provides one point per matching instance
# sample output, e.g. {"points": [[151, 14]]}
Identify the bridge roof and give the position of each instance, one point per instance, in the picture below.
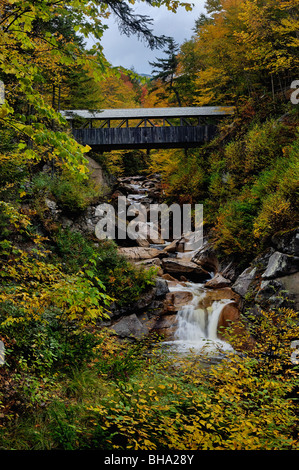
{"points": [[148, 113]]}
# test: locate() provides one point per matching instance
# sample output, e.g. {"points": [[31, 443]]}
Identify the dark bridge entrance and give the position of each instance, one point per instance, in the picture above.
{"points": [[144, 128]]}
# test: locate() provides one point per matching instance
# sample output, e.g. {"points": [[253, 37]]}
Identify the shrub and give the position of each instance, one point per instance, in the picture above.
{"points": [[72, 193]]}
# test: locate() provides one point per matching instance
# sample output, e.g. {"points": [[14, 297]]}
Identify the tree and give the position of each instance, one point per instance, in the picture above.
{"points": [[165, 71], [38, 45]]}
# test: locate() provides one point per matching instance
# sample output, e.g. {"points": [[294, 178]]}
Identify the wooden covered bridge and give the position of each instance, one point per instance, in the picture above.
{"points": [[145, 128]]}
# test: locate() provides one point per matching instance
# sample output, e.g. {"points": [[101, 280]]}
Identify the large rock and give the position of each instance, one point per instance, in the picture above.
{"points": [[230, 328], [279, 292], [267, 291], [212, 295], [207, 259], [166, 325], [189, 269], [148, 302], [244, 281], [281, 264], [161, 287], [217, 282], [291, 285], [287, 243], [130, 326], [171, 247], [174, 301], [138, 252]]}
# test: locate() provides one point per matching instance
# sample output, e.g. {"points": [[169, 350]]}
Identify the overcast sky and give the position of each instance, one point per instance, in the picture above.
{"points": [[131, 52]]}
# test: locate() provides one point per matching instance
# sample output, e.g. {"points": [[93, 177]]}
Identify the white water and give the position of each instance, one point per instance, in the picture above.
{"points": [[197, 325]]}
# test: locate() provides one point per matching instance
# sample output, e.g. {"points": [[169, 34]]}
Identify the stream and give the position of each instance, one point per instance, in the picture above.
{"points": [[197, 320], [197, 325]]}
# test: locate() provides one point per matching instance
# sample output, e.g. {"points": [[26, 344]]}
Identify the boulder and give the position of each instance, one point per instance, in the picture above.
{"points": [[243, 282], [130, 326], [211, 295], [207, 259], [187, 268], [291, 284], [217, 282], [139, 252], [288, 242], [268, 289], [281, 264], [142, 242], [161, 287], [192, 241], [174, 301], [172, 247], [229, 313], [282, 290], [230, 318], [166, 325]]}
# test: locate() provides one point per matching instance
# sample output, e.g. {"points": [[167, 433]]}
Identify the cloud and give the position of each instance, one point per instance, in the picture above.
{"points": [[129, 52]]}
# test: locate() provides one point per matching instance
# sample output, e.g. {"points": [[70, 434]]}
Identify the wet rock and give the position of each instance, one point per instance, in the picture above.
{"points": [[174, 301], [182, 267], [166, 325], [172, 247], [211, 295], [229, 313], [281, 264], [218, 282], [230, 325]]}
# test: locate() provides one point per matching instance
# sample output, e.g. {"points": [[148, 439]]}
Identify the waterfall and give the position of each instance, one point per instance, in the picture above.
{"points": [[197, 325]]}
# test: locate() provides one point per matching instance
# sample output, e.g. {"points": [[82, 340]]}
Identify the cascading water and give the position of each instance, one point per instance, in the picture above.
{"points": [[197, 321], [197, 325]]}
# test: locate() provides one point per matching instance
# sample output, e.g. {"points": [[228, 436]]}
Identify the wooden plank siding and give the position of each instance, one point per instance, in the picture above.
{"points": [[106, 139]]}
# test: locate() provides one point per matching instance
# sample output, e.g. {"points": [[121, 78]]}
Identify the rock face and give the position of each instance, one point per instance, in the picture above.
{"points": [[281, 264], [272, 280], [96, 171]]}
